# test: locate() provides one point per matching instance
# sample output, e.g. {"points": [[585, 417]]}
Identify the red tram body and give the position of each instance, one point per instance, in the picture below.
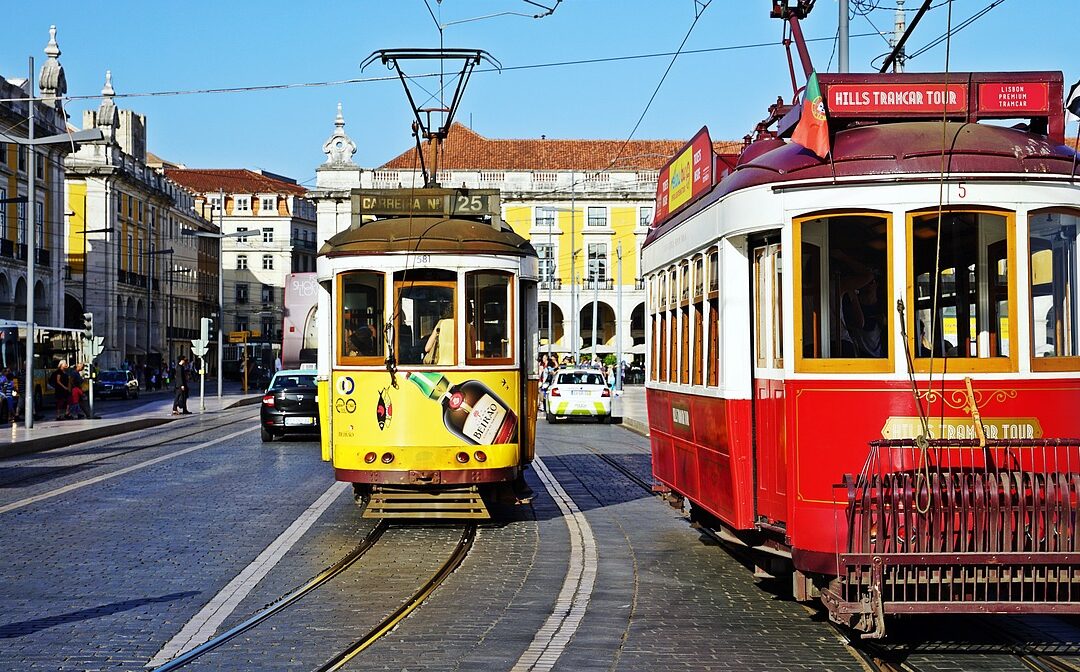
{"points": [[827, 338]]}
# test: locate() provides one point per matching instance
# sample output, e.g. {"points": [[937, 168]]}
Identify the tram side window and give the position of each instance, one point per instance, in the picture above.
{"points": [[843, 272], [361, 318], [425, 321], [487, 321], [963, 309], [714, 319], [1053, 283]]}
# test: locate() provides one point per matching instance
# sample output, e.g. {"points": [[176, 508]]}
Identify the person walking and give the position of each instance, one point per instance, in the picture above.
{"points": [[182, 379], [61, 384], [79, 398]]}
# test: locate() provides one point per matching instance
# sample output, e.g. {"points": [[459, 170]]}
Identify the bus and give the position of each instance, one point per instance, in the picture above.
{"points": [[51, 344]]}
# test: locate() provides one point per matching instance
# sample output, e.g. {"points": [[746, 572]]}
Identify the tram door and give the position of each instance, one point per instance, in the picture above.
{"points": [[770, 458]]}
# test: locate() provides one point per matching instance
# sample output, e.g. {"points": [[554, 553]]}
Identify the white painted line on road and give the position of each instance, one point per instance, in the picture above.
{"points": [[119, 472], [204, 624], [552, 638]]}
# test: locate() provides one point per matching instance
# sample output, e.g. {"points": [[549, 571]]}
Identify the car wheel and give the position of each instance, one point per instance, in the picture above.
{"points": [[551, 417], [124, 395], [605, 419], [267, 435]]}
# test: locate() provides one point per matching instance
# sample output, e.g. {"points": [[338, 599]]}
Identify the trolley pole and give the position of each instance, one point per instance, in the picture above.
{"points": [[842, 38], [220, 292]]}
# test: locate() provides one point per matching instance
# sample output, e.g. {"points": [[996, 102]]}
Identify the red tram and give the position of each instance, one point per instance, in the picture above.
{"points": [[867, 367]]}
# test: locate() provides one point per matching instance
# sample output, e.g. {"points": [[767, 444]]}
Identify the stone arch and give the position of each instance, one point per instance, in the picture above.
{"points": [[557, 329], [20, 299], [41, 306], [73, 312], [605, 325], [637, 324], [131, 336], [7, 302], [121, 328]]}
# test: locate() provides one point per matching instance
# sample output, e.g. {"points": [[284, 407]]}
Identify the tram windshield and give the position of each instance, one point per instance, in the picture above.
{"points": [[425, 320], [1053, 283], [969, 315], [362, 317]]}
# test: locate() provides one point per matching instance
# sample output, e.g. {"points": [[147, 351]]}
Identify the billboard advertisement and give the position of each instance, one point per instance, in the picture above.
{"points": [[686, 177], [299, 334]]}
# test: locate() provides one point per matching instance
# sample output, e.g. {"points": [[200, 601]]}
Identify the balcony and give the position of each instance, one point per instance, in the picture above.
{"points": [[303, 244], [42, 257], [7, 248], [551, 283], [639, 283], [597, 284], [20, 251]]}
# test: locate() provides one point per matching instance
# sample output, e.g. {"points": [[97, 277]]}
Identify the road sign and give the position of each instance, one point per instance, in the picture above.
{"points": [[199, 347], [238, 336]]}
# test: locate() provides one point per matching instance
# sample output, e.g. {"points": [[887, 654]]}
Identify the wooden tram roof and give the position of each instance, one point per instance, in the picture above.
{"points": [[882, 150], [428, 235]]}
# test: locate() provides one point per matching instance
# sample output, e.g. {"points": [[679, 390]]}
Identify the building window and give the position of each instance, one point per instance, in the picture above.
{"points": [[130, 206], [645, 216], [243, 204], [22, 158], [241, 229], [130, 253], [3, 207], [545, 216], [268, 205], [547, 262], [39, 225], [241, 263], [597, 216], [140, 210], [241, 323], [241, 292], [39, 167], [140, 256], [268, 234], [597, 262], [267, 294], [215, 203], [268, 262], [20, 232]]}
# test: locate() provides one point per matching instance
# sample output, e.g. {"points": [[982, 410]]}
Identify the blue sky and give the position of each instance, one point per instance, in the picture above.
{"points": [[199, 44]]}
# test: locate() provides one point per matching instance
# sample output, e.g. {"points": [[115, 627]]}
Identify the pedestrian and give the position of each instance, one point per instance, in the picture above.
{"points": [[179, 406], [79, 398], [7, 396], [61, 385]]}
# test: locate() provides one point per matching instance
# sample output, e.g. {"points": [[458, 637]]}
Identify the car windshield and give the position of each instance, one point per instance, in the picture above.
{"points": [[580, 378], [282, 382], [114, 377]]}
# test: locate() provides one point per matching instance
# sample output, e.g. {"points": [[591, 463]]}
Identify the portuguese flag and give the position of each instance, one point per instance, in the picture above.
{"points": [[812, 130]]}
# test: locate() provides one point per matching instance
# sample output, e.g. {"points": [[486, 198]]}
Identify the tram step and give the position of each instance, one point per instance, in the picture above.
{"points": [[442, 504]]}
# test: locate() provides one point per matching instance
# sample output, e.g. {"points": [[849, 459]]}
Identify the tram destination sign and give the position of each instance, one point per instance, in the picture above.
{"points": [[856, 100], [426, 202]]}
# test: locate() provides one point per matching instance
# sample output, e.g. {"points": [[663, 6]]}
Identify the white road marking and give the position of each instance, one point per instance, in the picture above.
{"points": [[551, 640], [119, 472], [204, 624]]}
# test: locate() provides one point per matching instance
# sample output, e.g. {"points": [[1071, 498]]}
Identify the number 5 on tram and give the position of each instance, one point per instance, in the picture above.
{"points": [[427, 391]]}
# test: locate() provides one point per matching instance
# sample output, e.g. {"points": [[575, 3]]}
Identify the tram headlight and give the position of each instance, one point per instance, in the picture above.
{"points": [[480, 456], [387, 458], [462, 457], [370, 458]]}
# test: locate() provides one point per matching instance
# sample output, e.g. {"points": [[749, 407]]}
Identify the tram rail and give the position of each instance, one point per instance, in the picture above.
{"points": [[454, 561]]}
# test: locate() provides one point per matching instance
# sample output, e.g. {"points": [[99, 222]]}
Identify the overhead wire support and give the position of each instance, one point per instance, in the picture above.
{"points": [[422, 126], [899, 47]]}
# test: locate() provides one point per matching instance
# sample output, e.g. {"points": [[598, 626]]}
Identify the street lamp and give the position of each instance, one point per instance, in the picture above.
{"points": [[86, 135], [221, 283]]}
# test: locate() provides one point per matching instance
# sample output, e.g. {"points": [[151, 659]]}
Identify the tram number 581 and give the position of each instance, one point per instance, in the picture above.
{"points": [[470, 204]]}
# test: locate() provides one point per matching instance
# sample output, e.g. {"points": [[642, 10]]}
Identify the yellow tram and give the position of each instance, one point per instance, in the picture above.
{"points": [[427, 348]]}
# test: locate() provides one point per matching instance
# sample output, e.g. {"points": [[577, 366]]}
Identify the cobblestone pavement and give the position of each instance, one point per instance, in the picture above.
{"points": [[101, 577]]}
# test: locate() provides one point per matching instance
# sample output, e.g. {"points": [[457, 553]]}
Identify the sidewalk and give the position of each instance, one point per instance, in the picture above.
{"points": [[630, 405], [157, 410]]}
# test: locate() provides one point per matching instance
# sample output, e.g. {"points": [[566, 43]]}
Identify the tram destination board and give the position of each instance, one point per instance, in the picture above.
{"points": [[426, 202]]}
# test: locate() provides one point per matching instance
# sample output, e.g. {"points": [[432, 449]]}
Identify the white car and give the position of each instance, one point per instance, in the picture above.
{"points": [[579, 392]]}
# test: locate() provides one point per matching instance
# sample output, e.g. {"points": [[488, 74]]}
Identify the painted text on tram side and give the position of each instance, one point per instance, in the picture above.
{"points": [[962, 428]]}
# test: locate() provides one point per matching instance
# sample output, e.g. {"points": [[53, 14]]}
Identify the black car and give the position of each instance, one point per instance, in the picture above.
{"points": [[290, 405], [122, 384]]}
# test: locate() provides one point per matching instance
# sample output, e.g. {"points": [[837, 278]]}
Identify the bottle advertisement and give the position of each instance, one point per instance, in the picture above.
{"points": [[427, 408]]}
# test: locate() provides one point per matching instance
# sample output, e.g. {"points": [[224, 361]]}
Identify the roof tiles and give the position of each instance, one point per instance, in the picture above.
{"points": [[231, 180]]}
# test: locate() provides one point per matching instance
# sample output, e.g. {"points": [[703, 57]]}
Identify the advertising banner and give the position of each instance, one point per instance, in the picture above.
{"points": [[427, 408], [686, 177], [299, 333], [1018, 97]]}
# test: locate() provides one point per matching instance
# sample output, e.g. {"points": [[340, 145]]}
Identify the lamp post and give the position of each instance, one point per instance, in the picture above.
{"points": [[31, 183]]}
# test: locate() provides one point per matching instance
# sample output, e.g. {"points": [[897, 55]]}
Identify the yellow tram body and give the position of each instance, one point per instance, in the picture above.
{"points": [[427, 328]]}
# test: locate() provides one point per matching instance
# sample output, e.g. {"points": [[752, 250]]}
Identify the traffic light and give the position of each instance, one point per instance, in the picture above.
{"points": [[204, 331], [88, 324]]}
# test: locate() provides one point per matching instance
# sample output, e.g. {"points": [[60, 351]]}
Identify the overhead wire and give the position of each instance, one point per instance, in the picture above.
{"points": [[953, 31]]}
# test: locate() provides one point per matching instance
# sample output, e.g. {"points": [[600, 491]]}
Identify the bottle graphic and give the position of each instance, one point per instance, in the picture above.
{"points": [[471, 410]]}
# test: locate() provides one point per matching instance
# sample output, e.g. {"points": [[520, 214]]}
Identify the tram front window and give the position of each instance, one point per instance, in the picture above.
{"points": [[843, 280], [487, 323], [361, 318], [963, 309], [425, 319], [1053, 283]]}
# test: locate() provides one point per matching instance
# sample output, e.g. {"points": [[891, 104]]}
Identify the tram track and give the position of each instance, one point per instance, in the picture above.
{"points": [[455, 559], [61, 470]]}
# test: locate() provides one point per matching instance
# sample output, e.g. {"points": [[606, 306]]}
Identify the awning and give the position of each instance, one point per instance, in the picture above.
{"points": [[638, 349]]}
